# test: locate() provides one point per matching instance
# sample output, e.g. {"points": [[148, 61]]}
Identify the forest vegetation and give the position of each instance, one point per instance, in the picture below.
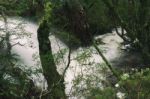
{"points": [[76, 23]]}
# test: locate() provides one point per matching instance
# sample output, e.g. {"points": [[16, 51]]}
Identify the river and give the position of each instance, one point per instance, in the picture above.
{"points": [[85, 61]]}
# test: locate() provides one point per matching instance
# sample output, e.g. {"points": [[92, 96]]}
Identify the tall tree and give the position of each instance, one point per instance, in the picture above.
{"points": [[56, 90], [78, 20]]}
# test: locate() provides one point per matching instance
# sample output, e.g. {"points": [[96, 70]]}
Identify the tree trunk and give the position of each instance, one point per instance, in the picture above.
{"points": [[78, 21], [48, 65]]}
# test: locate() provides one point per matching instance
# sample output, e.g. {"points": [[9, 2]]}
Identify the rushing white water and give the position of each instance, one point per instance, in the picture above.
{"points": [[28, 53], [23, 38], [84, 61]]}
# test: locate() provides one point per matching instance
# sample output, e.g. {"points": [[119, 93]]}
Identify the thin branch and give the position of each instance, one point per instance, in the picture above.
{"points": [[106, 61], [68, 64], [18, 43], [60, 50], [91, 5], [121, 35], [116, 16]]}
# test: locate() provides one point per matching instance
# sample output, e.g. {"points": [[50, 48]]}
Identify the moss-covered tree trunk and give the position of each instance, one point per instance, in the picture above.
{"points": [[48, 65]]}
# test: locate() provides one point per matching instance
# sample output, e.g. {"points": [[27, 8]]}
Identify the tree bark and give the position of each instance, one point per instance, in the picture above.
{"points": [[78, 21], [48, 65]]}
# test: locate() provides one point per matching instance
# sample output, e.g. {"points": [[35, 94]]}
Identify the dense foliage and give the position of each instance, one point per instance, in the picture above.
{"points": [[133, 17], [14, 79], [76, 22], [32, 8]]}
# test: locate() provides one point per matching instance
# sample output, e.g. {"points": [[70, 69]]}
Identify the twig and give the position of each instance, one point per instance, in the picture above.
{"points": [[121, 35], [18, 43], [68, 64], [60, 50], [69, 61], [105, 60]]}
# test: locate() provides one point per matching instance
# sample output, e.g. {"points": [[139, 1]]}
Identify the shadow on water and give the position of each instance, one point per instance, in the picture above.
{"points": [[126, 58], [129, 60], [71, 41]]}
